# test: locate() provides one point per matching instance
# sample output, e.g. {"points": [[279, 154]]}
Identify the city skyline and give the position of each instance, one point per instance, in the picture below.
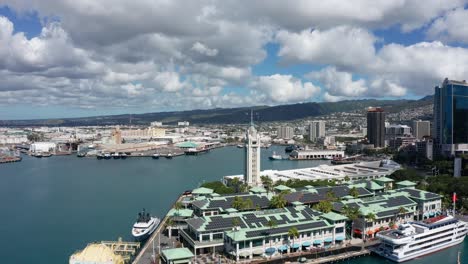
{"points": [[84, 59]]}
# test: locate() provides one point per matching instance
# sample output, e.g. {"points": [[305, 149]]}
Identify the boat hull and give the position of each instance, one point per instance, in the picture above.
{"points": [[420, 253]]}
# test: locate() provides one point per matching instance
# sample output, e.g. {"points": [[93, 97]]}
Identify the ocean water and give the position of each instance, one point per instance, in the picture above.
{"points": [[51, 207]]}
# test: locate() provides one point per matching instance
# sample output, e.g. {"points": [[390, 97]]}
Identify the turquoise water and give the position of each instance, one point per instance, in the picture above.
{"points": [[53, 206]]}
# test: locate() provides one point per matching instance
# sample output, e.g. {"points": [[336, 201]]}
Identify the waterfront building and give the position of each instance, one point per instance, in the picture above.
{"points": [[387, 208], [285, 132], [316, 154], [247, 234], [116, 136], [450, 129], [37, 147], [316, 130], [150, 132], [376, 126], [421, 129], [252, 156], [176, 256], [356, 171]]}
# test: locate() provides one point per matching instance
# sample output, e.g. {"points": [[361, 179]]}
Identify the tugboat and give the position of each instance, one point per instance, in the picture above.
{"points": [[155, 156], [144, 226], [275, 156]]}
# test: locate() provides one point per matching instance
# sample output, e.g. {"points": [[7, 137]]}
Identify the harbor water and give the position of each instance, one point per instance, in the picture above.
{"points": [[51, 207]]}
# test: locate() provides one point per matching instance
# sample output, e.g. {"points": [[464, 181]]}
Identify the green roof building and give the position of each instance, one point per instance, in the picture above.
{"points": [[177, 256]]}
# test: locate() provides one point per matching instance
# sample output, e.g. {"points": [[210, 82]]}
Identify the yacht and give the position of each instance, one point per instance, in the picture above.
{"points": [[169, 156], [155, 156], [107, 156], [116, 155], [123, 155], [275, 156], [144, 226], [416, 239]]}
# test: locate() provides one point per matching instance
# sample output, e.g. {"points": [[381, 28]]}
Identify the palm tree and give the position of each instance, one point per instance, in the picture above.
{"points": [[177, 207], [238, 203], [369, 217], [271, 224], [294, 233], [267, 182], [278, 201], [402, 211], [169, 225], [354, 192], [323, 206], [248, 204], [352, 213]]}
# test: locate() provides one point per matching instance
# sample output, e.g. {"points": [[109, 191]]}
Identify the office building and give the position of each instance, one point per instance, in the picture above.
{"points": [[285, 132], [394, 131], [316, 130], [451, 117], [425, 148], [421, 129], [376, 126], [183, 123]]}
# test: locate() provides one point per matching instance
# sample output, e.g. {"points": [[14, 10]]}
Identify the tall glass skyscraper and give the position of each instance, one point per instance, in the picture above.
{"points": [[451, 117], [376, 126]]}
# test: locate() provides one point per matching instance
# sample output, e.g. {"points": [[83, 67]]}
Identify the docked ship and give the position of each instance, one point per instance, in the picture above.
{"points": [[144, 226], [416, 239], [155, 156], [275, 157]]}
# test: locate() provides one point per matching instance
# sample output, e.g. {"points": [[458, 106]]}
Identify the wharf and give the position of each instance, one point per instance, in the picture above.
{"points": [[9, 159], [152, 247], [321, 256]]}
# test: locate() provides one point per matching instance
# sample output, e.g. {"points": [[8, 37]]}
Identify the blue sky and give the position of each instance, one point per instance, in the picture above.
{"points": [[135, 58]]}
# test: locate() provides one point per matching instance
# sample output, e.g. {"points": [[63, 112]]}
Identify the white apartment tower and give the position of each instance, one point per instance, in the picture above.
{"points": [[252, 157], [316, 130]]}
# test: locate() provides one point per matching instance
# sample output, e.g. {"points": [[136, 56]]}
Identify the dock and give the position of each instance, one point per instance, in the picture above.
{"points": [[150, 251], [9, 159]]}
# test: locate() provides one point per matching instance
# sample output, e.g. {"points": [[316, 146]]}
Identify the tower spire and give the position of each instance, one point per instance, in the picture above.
{"points": [[251, 117]]}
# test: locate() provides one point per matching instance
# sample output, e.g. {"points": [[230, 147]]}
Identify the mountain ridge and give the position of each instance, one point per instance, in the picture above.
{"points": [[229, 115]]}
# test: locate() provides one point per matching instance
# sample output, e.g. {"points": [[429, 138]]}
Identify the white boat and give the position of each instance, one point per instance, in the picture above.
{"points": [[275, 157], [240, 146], [144, 226], [416, 239], [116, 155], [155, 156]]}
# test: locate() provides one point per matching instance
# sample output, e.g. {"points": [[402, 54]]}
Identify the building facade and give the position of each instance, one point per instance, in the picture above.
{"points": [[285, 132], [376, 126], [451, 117], [316, 130], [421, 129], [252, 157]]}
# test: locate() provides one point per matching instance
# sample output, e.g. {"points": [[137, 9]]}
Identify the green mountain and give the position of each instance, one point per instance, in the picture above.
{"points": [[230, 115]]}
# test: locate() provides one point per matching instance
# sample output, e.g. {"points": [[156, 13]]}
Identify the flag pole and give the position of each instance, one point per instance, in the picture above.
{"points": [[454, 198]]}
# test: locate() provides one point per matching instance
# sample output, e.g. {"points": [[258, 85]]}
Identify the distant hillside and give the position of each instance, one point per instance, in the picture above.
{"points": [[230, 115]]}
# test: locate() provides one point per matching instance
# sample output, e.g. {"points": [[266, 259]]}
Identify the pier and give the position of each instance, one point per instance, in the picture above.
{"points": [[9, 159], [151, 250]]}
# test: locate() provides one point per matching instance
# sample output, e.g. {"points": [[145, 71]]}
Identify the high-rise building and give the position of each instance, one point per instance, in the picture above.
{"points": [[316, 130], [450, 128], [285, 132], [252, 157], [421, 129], [376, 126], [394, 131]]}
